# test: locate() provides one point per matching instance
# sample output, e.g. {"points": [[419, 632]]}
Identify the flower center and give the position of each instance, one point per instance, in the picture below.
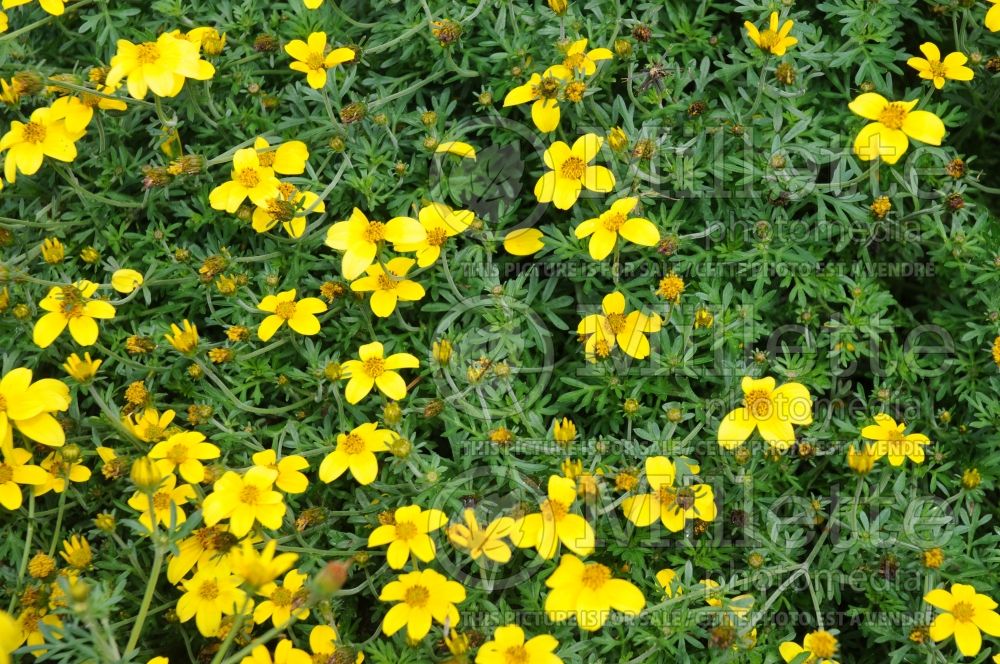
{"points": [[548, 88], [406, 530], [285, 310], [353, 444], [34, 132], [616, 323], [758, 402], [436, 237], [572, 168], [208, 590], [280, 210], [685, 498], [248, 178], [375, 232], [822, 644], [148, 54], [938, 70], [963, 611], [769, 39], [71, 302], [249, 495], [385, 282], [316, 60], [417, 596], [152, 432], [667, 496], [574, 61], [595, 576], [266, 159], [3, 403], [282, 597], [553, 510], [613, 222], [6, 472], [178, 454], [161, 501], [374, 366], [892, 116], [516, 655], [602, 348], [893, 436]]}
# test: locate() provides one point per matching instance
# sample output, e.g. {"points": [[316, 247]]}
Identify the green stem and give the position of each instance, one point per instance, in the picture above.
{"points": [[147, 597], [26, 554], [233, 631], [59, 517]]}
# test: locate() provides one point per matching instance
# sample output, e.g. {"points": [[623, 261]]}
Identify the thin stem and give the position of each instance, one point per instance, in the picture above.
{"points": [[147, 596]]}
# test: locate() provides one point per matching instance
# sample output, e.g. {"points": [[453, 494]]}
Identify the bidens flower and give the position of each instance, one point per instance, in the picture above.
{"points": [[359, 239], [543, 91], [422, 597], [388, 285], [892, 442], [356, 451], [773, 40], [588, 591], [604, 230], [54, 7], [72, 306], [613, 327], [15, 471], [820, 646], [161, 66], [439, 222], [211, 593], [250, 179], [673, 505], [289, 208], [554, 523], [245, 500], [183, 453], [579, 59], [299, 314], [313, 60], [488, 541], [966, 613], [937, 70], [46, 134], [28, 406], [508, 645], [893, 122], [771, 411], [408, 534], [375, 369], [570, 172]]}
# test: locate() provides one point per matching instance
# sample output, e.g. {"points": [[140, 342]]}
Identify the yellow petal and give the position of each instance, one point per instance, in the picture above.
{"points": [[523, 242], [457, 148]]}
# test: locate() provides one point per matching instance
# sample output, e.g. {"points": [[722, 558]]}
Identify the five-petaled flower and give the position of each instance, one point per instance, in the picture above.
{"points": [[890, 440], [771, 411], [933, 68], [673, 505], [71, 305], [966, 613], [355, 451], [388, 285], [312, 59], [589, 592], [571, 172], [605, 229], [893, 124], [375, 369], [614, 327], [554, 523], [284, 308], [408, 534], [250, 178], [422, 597], [772, 39], [360, 238]]}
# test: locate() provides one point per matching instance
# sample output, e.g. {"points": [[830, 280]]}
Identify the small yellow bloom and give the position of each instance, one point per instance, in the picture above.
{"points": [[164, 508], [211, 593], [439, 222], [579, 59], [245, 500], [457, 148], [250, 178], [564, 431], [72, 306], [299, 314], [554, 523], [542, 91], [312, 59], [478, 541], [183, 453], [355, 451], [46, 134], [161, 66], [290, 208], [16, 471], [771, 411], [290, 477], [589, 592], [861, 461], [571, 172], [28, 407], [523, 242], [605, 229], [374, 369], [936, 69], [184, 340], [892, 442], [613, 327], [409, 534], [53, 251], [76, 552], [893, 124], [509, 644], [671, 504], [966, 613], [283, 601], [821, 647], [259, 568], [772, 39], [150, 426], [125, 280], [671, 584], [388, 285], [359, 239], [422, 597]]}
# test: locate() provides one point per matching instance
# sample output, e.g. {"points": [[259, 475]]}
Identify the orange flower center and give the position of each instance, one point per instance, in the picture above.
{"points": [[769, 39], [249, 495], [894, 436], [595, 575], [685, 498], [354, 444], [436, 237], [316, 60], [280, 210], [892, 116], [574, 61], [516, 655], [385, 282], [613, 222], [375, 232], [266, 159], [548, 88], [602, 348], [616, 323], [208, 590], [282, 597], [417, 596], [285, 310], [374, 366], [34, 132], [178, 454], [248, 178], [6, 472], [938, 70], [758, 402], [667, 496], [553, 510], [161, 501], [406, 530], [572, 169], [71, 302], [963, 611], [822, 644], [147, 54]]}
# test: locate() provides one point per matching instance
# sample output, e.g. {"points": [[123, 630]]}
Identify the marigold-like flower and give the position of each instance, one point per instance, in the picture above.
{"points": [[409, 535], [422, 597], [250, 178], [374, 369], [204, 547], [388, 285], [30, 623], [72, 306], [821, 646], [245, 500], [673, 505], [183, 452], [359, 239], [478, 541], [313, 60], [967, 613], [28, 407], [439, 222], [773, 40], [163, 508], [605, 229], [936, 69], [259, 568], [892, 124], [509, 645], [184, 340], [571, 171], [892, 442], [614, 327], [47, 133], [543, 91], [299, 314], [290, 478], [554, 523], [16, 470], [589, 592], [356, 451], [769, 410], [150, 426], [579, 59], [161, 66], [211, 593], [53, 250], [289, 208]]}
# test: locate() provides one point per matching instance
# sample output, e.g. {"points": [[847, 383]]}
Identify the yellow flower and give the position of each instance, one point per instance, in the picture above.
{"points": [[183, 452], [671, 584], [771, 411], [488, 541], [283, 601], [543, 91], [28, 406], [508, 645], [933, 68], [422, 597], [439, 223], [323, 642], [374, 369], [613, 327], [523, 242], [76, 552], [245, 500], [893, 122], [300, 315], [290, 478], [820, 645], [164, 507], [46, 134], [388, 285], [145, 475], [150, 426], [10, 636], [570, 172], [408, 534], [211, 593], [289, 158], [672, 505], [457, 148], [284, 653], [54, 7], [890, 440], [209, 38], [313, 60], [205, 546], [588, 591], [30, 625], [355, 451], [580, 60], [125, 280], [993, 17], [359, 239], [554, 522], [72, 306], [259, 568], [53, 250], [861, 461], [16, 470], [564, 431], [60, 472], [161, 66], [604, 230], [772, 39], [184, 340], [249, 179], [966, 614], [290, 208]]}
